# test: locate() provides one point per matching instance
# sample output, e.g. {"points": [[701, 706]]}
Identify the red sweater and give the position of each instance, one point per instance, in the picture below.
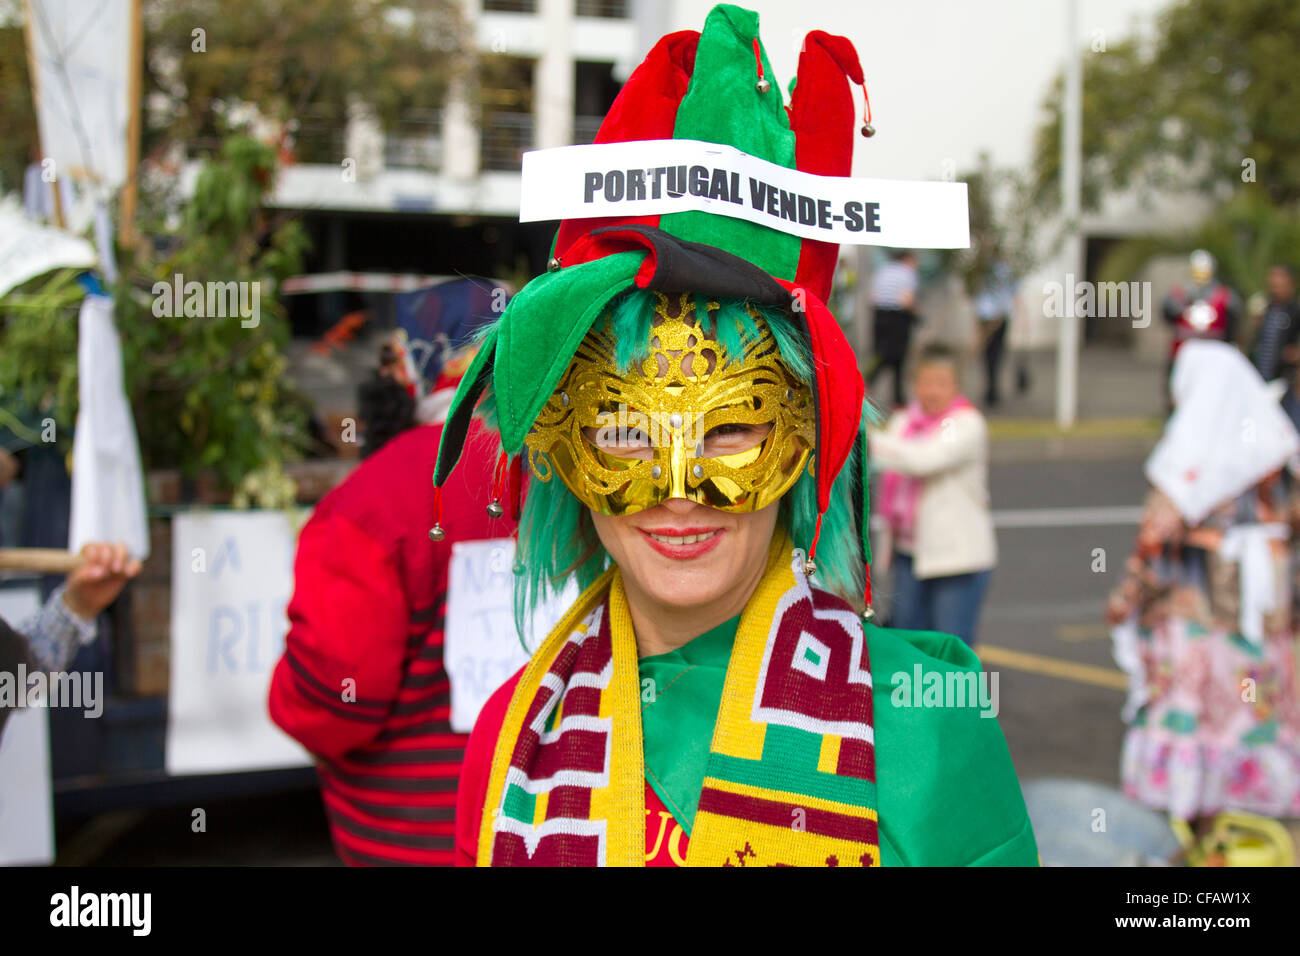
{"points": [[368, 605]]}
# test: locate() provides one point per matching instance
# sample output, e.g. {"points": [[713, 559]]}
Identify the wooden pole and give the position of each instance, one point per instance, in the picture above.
{"points": [[39, 560], [135, 71]]}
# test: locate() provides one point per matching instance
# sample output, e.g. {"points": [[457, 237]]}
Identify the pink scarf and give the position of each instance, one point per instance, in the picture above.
{"points": [[900, 493]]}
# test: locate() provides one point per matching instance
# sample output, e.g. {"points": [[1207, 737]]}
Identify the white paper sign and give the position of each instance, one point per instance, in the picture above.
{"points": [[81, 52], [658, 176], [482, 648], [28, 249], [232, 576], [26, 794]]}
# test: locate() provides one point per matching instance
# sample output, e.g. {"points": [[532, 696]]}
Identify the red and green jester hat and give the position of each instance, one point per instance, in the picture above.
{"points": [[711, 86], [811, 756]]}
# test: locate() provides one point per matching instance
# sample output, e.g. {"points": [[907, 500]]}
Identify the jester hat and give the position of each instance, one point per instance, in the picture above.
{"points": [[711, 86]]}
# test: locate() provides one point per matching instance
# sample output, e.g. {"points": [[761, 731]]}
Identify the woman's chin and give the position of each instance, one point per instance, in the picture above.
{"points": [[680, 583]]}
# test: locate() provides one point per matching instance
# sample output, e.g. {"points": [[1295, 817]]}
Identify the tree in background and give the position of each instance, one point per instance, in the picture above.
{"points": [[209, 391], [301, 63], [1210, 104], [17, 118]]}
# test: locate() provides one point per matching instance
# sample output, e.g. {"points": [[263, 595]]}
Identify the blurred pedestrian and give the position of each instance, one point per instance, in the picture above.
{"points": [[894, 294], [994, 302], [1277, 347], [362, 683], [934, 497], [50, 639], [1202, 620], [386, 401]]}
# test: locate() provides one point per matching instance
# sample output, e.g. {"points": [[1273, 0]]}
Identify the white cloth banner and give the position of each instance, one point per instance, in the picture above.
{"points": [[1227, 432], [657, 176], [26, 794], [232, 575], [28, 249], [81, 49], [482, 649], [107, 483]]}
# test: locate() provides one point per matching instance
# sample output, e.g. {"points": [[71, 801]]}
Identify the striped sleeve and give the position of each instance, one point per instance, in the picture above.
{"points": [[342, 666]]}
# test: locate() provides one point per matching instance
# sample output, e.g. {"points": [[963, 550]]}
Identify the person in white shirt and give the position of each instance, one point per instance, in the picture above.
{"points": [[893, 292], [994, 303], [934, 496]]}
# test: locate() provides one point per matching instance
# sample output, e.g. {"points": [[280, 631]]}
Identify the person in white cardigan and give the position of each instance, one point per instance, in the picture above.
{"points": [[934, 497]]}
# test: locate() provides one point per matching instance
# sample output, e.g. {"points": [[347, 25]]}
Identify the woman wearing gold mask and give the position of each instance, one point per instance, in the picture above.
{"points": [[691, 421]]}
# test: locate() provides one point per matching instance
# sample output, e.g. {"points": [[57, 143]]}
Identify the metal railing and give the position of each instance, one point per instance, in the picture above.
{"points": [[607, 9], [510, 6], [415, 142], [505, 137]]}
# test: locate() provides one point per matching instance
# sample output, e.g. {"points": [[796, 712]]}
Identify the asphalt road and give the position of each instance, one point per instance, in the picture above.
{"points": [[1042, 631], [1061, 697]]}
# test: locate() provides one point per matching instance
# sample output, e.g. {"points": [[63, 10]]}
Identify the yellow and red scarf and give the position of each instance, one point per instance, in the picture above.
{"points": [[791, 770]]}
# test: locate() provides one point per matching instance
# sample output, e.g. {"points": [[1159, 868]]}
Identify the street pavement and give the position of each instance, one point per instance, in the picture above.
{"points": [[1059, 524]]}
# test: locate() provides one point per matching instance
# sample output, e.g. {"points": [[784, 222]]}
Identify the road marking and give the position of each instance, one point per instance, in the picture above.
{"points": [[1075, 633], [1053, 667], [1066, 517]]}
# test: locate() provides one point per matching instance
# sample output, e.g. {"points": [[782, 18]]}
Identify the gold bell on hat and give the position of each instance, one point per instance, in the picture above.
{"points": [[436, 533], [494, 509]]}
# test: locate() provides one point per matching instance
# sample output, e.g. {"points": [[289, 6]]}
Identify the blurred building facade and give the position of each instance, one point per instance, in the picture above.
{"points": [[440, 192]]}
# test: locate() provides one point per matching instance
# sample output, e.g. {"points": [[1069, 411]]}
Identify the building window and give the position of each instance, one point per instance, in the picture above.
{"points": [[415, 142], [506, 108], [609, 9], [510, 6], [594, 92]]}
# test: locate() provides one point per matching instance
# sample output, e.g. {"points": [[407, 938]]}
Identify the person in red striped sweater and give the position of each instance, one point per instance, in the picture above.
{"points": [[362, 683]]}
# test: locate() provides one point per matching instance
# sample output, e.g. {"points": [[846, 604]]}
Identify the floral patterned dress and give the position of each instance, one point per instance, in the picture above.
{"points": [[1214, 721]]}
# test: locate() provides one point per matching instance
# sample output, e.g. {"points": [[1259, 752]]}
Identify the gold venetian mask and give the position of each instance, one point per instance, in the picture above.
{"points": [[689, 421]]}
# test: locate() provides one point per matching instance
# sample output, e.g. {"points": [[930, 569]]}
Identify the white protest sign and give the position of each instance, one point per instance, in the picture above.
{"points": [[649, 177], [81, 54], [232, 576], [28, 249], [482, 649], [26, 794]]}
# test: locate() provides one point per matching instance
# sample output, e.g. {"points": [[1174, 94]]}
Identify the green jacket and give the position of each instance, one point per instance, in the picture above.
{"points": [[946, 790]]}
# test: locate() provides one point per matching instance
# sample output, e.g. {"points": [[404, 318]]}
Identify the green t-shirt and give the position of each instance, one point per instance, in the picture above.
{"points": [[679, 707], [947, 790]]}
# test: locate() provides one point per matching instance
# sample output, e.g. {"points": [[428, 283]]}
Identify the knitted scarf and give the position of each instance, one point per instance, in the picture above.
{"points": [[790, 778], [899, 494]]}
